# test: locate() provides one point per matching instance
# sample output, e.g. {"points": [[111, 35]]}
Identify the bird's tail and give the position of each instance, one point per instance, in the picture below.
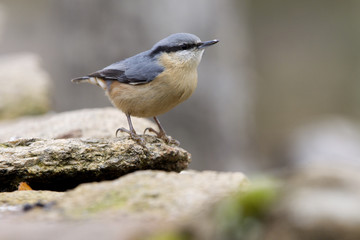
{"points": [[93, 80], [80, 79]]}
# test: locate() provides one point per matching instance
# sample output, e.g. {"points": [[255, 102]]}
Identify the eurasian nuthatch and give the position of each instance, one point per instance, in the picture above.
{"points": [[152, 82]]}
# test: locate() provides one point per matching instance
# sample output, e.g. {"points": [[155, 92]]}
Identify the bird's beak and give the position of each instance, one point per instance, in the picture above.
{"points": [[208, 43]]}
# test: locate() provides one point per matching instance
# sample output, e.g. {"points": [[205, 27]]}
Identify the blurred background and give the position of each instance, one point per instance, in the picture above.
{"points": [[281, 88]]}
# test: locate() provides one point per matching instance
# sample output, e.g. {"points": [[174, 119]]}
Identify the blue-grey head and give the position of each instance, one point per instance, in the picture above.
{"points": [[184, 48]]}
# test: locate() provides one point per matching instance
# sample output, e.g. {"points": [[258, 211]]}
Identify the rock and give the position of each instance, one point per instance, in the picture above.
{"points": [[318, 202], [24, 86], [131, 207], [160, 195], [313, 202], [241, 215], [85, 123], [60, 164], [28, 197], [307, 203]]}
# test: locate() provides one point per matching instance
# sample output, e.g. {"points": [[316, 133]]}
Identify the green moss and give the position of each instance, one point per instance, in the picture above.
{"points": [[241, 215], [256, 201]]}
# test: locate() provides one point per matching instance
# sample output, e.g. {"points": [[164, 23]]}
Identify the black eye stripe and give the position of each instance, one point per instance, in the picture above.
{"points": [[184, 46], [190, 45]]}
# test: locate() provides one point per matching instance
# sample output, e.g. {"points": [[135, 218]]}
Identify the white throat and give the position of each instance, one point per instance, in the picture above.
{"points": [[189, 56]]}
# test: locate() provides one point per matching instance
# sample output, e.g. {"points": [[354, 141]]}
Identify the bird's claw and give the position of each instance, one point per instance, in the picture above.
{"points": [[132, 135], [167, 139], [149, 129]]}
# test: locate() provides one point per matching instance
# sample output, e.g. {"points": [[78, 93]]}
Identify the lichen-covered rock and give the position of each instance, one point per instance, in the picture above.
{"points": [[155, 194], [60, 164], [131, 207], [85, 123], [24, 87]]}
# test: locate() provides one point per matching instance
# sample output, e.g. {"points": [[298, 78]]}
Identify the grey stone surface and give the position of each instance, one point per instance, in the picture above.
{"points": [[60, 164], [85, 123]]}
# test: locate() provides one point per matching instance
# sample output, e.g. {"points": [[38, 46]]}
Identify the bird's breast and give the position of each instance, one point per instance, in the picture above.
{"points": [[180, 77]]}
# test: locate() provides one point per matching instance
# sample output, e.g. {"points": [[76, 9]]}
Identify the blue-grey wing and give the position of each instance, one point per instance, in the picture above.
{"points": [[139, 69]]}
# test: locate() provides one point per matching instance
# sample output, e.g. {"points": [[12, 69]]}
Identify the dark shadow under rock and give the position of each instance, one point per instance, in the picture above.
{"points": [[63, 164]]}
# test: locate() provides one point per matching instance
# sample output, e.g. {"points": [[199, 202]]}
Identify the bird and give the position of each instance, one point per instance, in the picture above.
{"points": [[152, 82]]}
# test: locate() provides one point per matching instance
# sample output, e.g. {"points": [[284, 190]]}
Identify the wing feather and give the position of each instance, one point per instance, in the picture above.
{"points": [[139, 69]]}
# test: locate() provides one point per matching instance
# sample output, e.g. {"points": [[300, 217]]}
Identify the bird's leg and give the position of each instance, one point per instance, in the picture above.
{"points": [[161, 133], [131, 132]]}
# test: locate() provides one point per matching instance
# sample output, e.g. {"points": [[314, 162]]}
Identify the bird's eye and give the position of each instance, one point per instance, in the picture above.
{"points": [[184, 47]]}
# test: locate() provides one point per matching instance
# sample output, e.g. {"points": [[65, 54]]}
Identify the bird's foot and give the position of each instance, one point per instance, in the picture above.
{"points": [[133, 136], [162, 135]]}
